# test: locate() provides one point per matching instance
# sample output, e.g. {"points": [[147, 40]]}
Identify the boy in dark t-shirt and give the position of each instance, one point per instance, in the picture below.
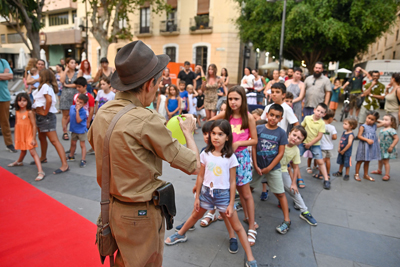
{"points": [[267, 155], [200, 106]]}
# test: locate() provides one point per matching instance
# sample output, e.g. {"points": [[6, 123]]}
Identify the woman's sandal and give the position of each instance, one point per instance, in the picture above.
{"points": [[367, 177], [40, 176], [386, 177], [251, 237], [16, 164], [204, 222], [357, 177], [246, 220], [300, 183], [65, 137], [309, 170], [376, 172], [58, 171], [318, 176], [42, 161], [337, 174]]}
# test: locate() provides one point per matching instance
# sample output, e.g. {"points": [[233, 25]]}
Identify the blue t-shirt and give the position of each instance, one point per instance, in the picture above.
{"points": [[4, 93], [335, 95], [172, 104], [74, 126], [268, 145], [184, 96], [344, 140]]}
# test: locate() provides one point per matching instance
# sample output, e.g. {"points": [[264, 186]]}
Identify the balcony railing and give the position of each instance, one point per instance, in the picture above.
{"points": [[141, 30], [169, 27], [201, 24]]}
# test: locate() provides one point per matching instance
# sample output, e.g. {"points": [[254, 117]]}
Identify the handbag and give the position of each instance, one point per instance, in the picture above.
{"points": [[105, 241], [164, 197]]}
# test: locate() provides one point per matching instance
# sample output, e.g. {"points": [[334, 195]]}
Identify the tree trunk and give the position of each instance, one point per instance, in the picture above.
{"points": [[35, 42]]}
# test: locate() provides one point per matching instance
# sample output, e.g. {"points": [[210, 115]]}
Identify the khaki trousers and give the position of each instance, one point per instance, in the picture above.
{"points": [[139, 230], [5, 122]]}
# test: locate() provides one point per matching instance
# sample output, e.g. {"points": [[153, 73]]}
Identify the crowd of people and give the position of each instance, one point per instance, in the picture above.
{"points": [[244, 147]]}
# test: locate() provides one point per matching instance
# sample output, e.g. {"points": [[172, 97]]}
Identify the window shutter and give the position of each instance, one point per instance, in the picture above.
{"points": [[173, 3], [203, 7]]}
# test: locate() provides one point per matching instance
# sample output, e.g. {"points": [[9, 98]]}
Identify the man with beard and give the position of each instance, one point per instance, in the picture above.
{"points": [[374, 88], [290, 73], [356, 84], [318, 88]]}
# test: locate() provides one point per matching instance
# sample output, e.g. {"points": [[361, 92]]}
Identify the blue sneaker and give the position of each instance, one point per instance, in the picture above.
{"points": [[238, 206], [82, 164], [251, 263], [176, 238], [308, 218], [233, 246], [264, 196], [179, 227], [283, 228]]}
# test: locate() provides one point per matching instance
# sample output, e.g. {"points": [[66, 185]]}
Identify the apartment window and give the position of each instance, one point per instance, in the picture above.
{"points": [[14, 38], [394, 54], [397, 35], [145, 20], [58, 19], [73, 16], [171, 52], [203, 7], [383, 57], [3, 39], [201, 57]]}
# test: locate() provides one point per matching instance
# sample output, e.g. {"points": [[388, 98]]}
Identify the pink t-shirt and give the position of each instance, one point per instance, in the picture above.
{"points": [[238, 133]]}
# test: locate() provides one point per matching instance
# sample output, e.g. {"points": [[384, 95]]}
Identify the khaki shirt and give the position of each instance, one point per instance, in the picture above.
{"points": [[316, 90], [138, 145]]}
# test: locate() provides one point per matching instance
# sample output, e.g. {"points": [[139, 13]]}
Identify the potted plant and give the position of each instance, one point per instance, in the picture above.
{"points": [[193, 28]]}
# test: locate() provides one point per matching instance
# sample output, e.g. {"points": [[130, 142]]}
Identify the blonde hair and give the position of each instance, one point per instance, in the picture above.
{"points": [[31, 64], [189, 86], [258, 111]]}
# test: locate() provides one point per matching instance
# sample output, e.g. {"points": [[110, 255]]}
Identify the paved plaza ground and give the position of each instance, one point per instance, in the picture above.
{"points": [[358, 222]]}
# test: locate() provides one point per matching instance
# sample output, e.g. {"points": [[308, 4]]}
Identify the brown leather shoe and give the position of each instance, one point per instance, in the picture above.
{"points": [[367, 177]]}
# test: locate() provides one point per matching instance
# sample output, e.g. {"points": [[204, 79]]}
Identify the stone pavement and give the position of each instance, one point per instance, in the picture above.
{"points": [[357, 221]]}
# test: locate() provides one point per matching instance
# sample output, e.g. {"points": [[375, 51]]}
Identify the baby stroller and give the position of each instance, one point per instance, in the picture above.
{"points": [[346, 106]]}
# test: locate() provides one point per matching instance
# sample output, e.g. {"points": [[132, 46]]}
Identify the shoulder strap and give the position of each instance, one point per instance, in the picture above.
{"points": [[105, 170]]}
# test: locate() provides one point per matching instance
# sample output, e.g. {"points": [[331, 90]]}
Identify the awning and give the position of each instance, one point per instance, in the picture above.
{"points": [[13, 48], [71, 36]]}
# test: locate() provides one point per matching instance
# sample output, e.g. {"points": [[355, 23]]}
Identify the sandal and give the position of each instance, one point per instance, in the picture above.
{"points": [[16, 164], [40, 176], [309, 170], [246, 220], [204, 222], [219, 218], [300, 183], [386, 177], [252, 238], [337, 174], [367, 177], [175, 238], [376, 172], [42, 161], [65, 137], [357, 177], [58, 171], [318, 176]]}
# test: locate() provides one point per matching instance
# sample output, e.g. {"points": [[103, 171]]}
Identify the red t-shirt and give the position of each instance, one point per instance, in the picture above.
{"points": [[90, 103]]}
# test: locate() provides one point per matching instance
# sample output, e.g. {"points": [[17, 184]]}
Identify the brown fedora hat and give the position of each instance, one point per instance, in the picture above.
{"points": [[135, 64]]}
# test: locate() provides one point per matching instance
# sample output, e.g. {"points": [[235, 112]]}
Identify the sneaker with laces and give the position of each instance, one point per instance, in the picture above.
{"points": [[233, 246], [238, 206], [308, 218], [82, 164], [327, 185], [264, 196], [70, 158], [11, 149], [90, 151], [283, 228], [179, 227]]}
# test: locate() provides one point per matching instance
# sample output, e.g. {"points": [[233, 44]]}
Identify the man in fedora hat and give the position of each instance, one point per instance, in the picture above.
{"points": [[138, 145]]}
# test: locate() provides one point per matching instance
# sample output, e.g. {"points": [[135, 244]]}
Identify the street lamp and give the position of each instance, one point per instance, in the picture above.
{"points": [[282, 29]]}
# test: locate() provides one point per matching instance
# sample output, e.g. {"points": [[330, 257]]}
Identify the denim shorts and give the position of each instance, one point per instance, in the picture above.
{"points": [[344, 160], [218, 198], [315, 150]]}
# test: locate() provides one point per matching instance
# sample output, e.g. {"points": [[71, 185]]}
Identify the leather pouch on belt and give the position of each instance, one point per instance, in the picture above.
{"points": [[164, 197], [105, 241]]}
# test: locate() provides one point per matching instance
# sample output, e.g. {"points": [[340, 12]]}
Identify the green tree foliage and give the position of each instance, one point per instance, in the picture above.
{"points": [[27, 13], [316, 29], [105, 17]]}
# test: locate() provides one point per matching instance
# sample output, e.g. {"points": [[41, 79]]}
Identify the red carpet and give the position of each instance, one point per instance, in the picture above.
{"points": [[37, 230]]}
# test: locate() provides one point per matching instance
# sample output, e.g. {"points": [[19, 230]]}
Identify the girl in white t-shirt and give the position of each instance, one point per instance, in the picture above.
{"points": [[216, 186], [104, 95]]}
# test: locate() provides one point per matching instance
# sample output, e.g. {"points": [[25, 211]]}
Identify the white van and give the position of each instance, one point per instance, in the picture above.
{"points": [[385, 67]]}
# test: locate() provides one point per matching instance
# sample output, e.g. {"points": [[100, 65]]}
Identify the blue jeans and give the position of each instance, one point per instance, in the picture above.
{"points": [[307, 111], [218, 198], [315, 150]]}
